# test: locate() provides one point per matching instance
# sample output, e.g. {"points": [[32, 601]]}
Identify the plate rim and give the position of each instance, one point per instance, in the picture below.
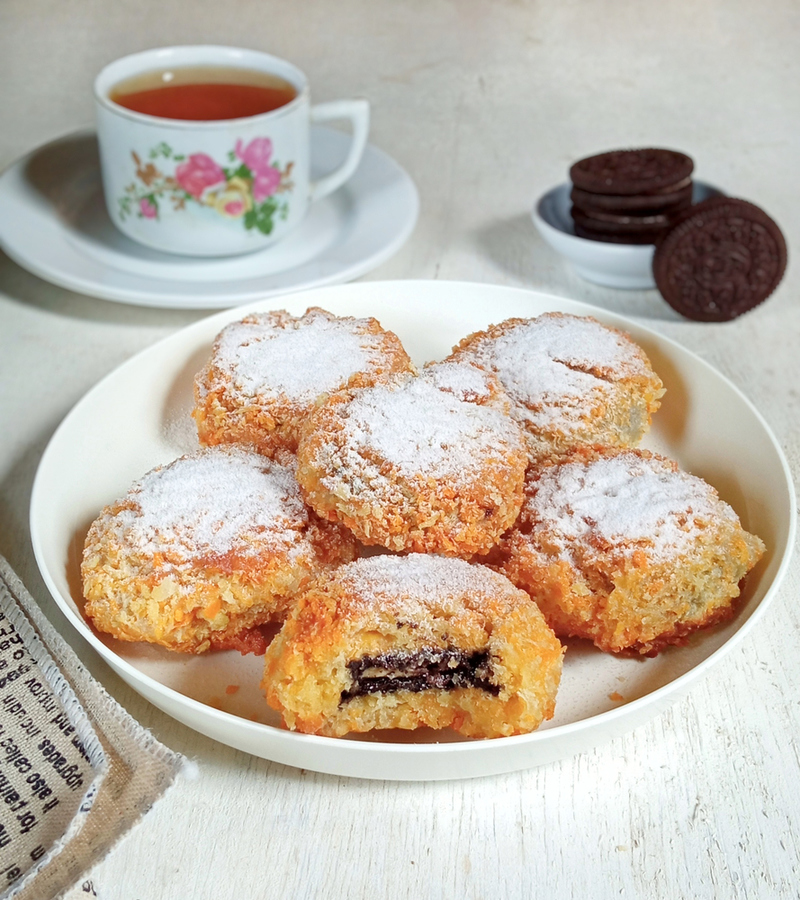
{"points": [[368, 752], [225, 298]]}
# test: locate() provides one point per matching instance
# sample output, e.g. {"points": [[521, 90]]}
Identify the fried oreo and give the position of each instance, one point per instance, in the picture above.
{"points": [[203, 551], [722, 258], [571, 380], [623, 548], [267, 370], [413, 641], [431, 463]]}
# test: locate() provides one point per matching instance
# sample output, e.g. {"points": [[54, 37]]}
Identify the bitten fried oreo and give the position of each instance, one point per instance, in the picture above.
{"points": [[639, 171], [412, 641], [723, 258]]}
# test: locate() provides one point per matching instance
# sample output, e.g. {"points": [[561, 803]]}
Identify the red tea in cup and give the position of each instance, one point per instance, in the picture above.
{"points": [[203, 93]]}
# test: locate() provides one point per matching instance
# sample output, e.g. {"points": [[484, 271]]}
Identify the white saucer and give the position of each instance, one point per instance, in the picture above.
{"points": [[53, 222]]}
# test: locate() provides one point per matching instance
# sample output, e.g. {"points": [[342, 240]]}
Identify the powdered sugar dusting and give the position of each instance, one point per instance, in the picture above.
{"points": [[464, 380], [421, 429], [419, 582], [213, 502], [623, 499], [557, 358], [269, 355]]}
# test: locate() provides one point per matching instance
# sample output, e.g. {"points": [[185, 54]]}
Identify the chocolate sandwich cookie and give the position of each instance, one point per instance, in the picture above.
{"points": [[629, 172], [667, 201], [630, 196], [635, 222], [584, 229], [644, 238], [721, 259], [612, 223]]}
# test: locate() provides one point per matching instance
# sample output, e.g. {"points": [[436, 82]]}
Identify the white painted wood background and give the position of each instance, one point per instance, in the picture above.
{"points": [[485, 103]]}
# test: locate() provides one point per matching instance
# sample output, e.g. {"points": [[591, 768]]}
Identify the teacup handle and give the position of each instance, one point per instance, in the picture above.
{"points": [[357, 111]]}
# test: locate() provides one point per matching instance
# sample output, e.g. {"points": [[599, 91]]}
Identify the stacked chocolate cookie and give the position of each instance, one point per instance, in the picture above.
{"points": [[630, 196], [713, 260]]}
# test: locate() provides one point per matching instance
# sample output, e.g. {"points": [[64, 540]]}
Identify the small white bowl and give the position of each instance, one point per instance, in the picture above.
{"points": [[627, 266]]}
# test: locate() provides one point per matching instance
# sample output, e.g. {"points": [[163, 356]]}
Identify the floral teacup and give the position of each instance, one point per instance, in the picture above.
{"points": [[219, 187]]}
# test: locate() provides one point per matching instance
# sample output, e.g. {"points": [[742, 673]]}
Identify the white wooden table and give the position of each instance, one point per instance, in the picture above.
{"points": [[485, 104]]}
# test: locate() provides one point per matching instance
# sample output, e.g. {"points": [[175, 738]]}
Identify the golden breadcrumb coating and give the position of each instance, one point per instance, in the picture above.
{"points": [[411, 641], [430, 463], [266, 372], [203, 549], [621, 547], [572, 380]]}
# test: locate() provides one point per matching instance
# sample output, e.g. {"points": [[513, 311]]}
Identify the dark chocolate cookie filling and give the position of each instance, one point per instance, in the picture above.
{"points": [[420, 670]]}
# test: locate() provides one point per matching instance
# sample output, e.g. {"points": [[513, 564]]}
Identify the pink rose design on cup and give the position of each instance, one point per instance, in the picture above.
{"points": [[199, 173], [246, 188], [147, 208], [256, 156]]}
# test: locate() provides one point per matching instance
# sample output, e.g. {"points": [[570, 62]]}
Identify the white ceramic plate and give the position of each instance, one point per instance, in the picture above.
{"points": [[53, 222], [625, 266], [138, 417]]}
